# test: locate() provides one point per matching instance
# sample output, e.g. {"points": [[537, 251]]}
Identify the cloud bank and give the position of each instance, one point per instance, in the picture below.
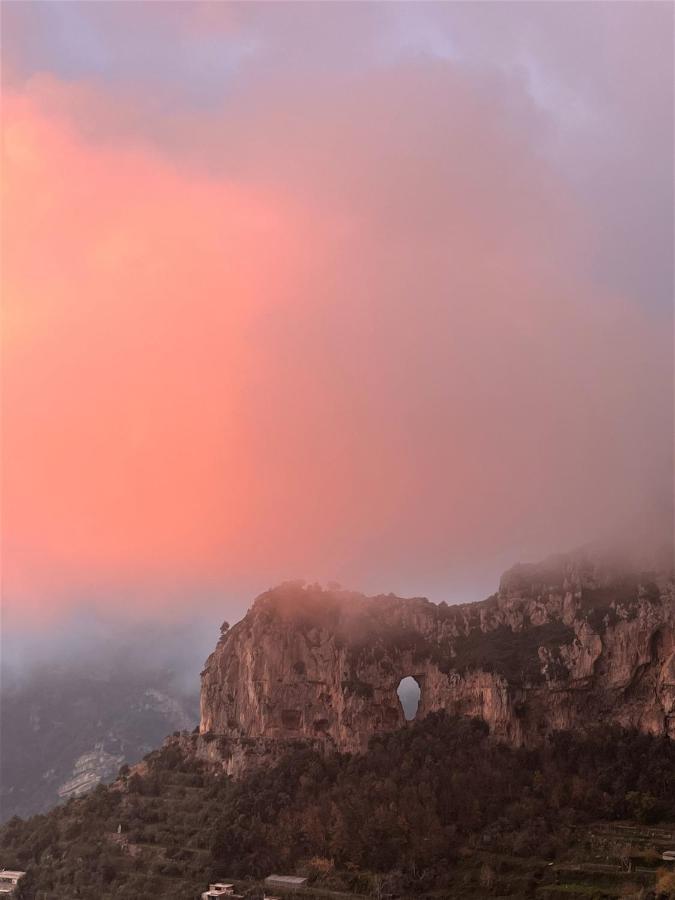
{"points": [[348, 317]]}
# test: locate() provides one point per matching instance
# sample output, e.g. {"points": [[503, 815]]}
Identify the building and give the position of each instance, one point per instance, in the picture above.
{"points": [[219, 889], [289, 882], [9, 878]]}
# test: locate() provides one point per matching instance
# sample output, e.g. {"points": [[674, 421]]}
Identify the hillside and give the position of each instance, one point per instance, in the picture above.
{"points": [[437, 809], [540, 762]]}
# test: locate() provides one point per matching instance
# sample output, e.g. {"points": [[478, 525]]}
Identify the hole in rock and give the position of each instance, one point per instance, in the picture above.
{"points": [[409, 694]]}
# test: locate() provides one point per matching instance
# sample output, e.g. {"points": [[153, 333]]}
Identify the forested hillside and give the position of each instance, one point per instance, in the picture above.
{"points": [[435, 808]]}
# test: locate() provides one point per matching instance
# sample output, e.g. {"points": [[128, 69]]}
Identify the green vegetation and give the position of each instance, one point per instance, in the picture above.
{"points": [[601, 605], [438, 809], [513, 654]]}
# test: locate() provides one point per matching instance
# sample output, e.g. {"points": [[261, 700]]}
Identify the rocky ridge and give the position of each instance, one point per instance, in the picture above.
{"points": [[566, 643]]}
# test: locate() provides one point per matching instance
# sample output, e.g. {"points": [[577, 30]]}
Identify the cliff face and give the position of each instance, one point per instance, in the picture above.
{"points": [[563, 644]]}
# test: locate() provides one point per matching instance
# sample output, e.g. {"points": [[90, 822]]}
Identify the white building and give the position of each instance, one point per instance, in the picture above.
{"points": [[219, 889], [9, 878]]}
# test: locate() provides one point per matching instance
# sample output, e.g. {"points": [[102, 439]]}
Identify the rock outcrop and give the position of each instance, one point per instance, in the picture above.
{"points": [[90, 769], [562, 645]]}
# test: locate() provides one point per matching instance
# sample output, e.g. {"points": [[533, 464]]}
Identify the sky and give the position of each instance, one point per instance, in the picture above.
{"points": [[375, 293]]}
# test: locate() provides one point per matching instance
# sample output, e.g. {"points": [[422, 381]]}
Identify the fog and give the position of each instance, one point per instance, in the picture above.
{"points": [[381, 296], [111, 649]]}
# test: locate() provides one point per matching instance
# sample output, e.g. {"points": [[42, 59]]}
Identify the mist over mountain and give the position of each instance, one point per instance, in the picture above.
{"points": [[80, 701], [83, 696]]}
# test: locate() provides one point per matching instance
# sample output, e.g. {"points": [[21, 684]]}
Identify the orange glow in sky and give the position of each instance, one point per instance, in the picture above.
{"points": [[341, 331]]}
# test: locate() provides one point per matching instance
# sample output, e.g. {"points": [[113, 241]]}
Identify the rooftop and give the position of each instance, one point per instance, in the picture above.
{"points": [[290, 880]]}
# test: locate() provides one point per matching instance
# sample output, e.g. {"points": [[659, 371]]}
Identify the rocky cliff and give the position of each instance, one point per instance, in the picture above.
{"points": [[562, 644]]}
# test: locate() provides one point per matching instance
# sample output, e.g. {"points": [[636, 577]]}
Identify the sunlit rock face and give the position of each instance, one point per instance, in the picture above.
{"points": [[564, 644]]}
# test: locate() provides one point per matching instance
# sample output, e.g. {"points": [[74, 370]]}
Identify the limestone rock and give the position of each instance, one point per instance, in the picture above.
{"points": [[564, 644]]}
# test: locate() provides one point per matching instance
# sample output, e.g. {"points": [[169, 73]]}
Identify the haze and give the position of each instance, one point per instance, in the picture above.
{"points": [[379, 294]]}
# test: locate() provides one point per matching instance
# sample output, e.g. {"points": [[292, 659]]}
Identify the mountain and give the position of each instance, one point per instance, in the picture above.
{"points": [[64, 728], [565, 644], [540, 762]]}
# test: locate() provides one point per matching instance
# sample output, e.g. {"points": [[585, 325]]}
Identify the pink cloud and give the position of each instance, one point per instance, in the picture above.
{"points": [[326, 332]]}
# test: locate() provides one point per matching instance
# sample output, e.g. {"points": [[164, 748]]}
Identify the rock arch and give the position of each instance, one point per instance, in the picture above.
{"points": [[324, 666]]}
